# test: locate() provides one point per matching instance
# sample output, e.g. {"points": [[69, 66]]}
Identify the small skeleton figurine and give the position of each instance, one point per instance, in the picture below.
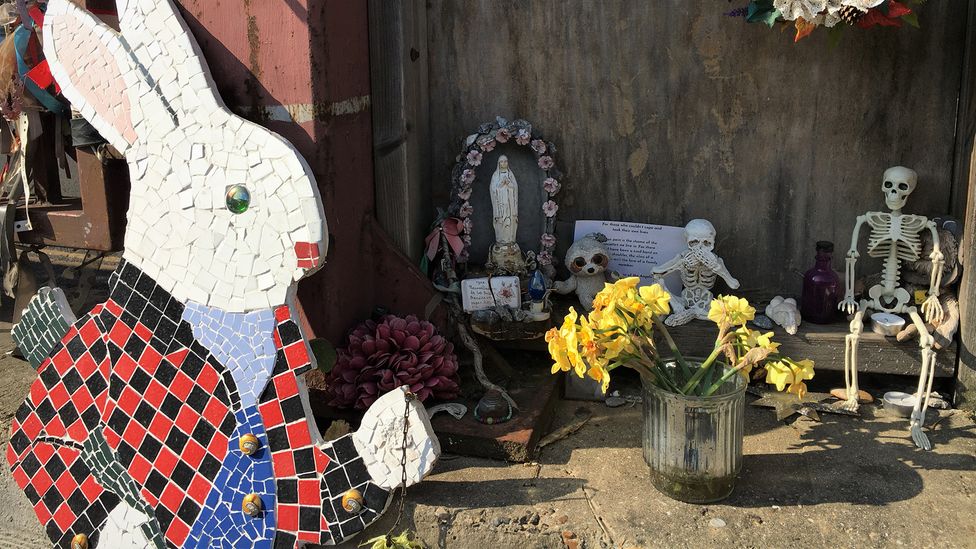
{"points": [[587, 259], [698, 265], [896, 238]]}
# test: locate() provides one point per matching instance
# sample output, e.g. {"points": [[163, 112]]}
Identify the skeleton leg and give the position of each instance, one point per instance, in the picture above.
{"points": [[679, 313], [850, 360], [925, 379]]}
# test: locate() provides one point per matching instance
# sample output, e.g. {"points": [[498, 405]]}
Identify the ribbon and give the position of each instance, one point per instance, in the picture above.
{"points": [[450, 227]]}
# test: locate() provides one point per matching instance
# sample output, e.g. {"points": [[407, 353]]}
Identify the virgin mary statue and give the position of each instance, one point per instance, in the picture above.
{"points": [[505, 253], [504, 202]]}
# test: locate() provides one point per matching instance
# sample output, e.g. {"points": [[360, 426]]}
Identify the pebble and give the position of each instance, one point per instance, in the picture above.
{"points": [[568, 534], [571, 543], [442, 514], [534, 519], [763, 321], [499, 521], [563, 519], [716, 523]]}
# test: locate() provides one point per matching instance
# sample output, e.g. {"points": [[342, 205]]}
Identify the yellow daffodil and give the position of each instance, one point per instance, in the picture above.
{"points": [[615, 346], [729, 310], [587, 341], [657, 299], [600, 375], [557, 349], [790, 372], [751, 338], [568, 332], [778, 373]]}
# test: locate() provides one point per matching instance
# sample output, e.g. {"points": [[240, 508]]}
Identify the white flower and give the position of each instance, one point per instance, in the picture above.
{"points": [[792, 9], [863, 5]]}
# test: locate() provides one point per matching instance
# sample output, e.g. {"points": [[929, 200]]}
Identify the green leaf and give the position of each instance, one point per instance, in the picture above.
{"points": [[762, 11], [911, 19], [325, 354]]}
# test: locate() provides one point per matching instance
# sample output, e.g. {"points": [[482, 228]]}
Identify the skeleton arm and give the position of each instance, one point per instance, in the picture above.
{"points": [[932, 308], [723, 272], [848, 304], [675, 264]]}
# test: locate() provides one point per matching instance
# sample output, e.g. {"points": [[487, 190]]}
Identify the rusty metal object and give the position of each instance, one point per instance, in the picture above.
{"points": [[96, 221]]}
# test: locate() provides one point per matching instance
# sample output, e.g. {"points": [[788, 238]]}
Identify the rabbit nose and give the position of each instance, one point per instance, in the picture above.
{"points": [[308, 254]]}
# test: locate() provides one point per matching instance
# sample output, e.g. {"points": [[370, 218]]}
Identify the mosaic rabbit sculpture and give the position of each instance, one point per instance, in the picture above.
{"points": [[175, 414]]}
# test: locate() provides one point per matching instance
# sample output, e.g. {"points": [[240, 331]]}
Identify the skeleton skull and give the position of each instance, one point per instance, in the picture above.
{"points": [[898, 183], [700, 234]]}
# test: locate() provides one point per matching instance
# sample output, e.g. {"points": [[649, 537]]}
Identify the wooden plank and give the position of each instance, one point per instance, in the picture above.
{"points": [[965, 393], [398, 81], [966, 124], [668, 111]]}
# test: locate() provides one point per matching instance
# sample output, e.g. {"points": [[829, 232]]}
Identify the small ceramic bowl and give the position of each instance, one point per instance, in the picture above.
{"points": [[900, 403], [887, 324]]}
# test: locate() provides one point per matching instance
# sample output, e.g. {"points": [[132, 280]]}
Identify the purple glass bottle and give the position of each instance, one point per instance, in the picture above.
{"points": [[821, 288]]}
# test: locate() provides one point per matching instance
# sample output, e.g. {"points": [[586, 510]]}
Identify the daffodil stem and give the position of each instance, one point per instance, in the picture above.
{"points": [[696, 379], [685, 370], [715, 387], [661, 372]]}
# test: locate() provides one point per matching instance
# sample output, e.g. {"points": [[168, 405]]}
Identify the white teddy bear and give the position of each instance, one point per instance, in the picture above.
{"points": [[587, 259]]}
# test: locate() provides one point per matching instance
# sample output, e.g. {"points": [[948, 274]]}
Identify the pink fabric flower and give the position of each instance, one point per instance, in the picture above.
{"points": [[503, 135], [544, 258], [466, 239], [550, 208], [551, 185], [487, 144], [467, 225], [393, 352], [523, 137], [465, 193], [547, 240], [474, 158], [467, 176], [467, 209], [539, 146], [545, 162]]}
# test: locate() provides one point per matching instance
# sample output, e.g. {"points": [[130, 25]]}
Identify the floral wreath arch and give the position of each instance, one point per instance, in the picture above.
{"points": [[487, 137]]}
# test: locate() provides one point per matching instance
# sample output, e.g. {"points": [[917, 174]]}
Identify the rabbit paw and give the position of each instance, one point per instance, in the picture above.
{"points": [[379, 440]]}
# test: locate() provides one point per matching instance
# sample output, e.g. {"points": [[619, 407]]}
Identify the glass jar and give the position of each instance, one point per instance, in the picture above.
{"points": [[821, 288], [693, 445]]}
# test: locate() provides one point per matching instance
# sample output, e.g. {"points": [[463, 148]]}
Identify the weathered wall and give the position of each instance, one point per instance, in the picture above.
{"points": [[301, 68], [665, 111]]}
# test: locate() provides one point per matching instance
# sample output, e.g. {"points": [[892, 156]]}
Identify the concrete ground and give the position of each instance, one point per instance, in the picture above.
{"points": [[845, 482]]}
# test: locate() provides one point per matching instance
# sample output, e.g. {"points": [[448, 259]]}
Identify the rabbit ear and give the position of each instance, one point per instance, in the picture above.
{"points": [[162, 43], [94, 69]]}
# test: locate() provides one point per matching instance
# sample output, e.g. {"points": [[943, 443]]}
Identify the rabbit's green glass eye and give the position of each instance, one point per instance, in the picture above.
{"points": [[238, 198]]}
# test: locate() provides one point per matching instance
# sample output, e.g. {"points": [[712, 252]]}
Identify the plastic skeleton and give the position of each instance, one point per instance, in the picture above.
{"points": [[895, 237], [698, 266]]}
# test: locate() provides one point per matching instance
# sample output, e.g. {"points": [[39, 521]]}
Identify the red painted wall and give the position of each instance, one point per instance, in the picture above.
{"points": [[311, 57]]}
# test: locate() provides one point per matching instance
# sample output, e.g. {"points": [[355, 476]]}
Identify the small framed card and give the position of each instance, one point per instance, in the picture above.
{"points": [[477, 295]]}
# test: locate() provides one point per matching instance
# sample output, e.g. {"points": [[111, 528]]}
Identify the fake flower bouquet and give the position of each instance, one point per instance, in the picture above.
{"points": [[807, 15], [620, 332]]}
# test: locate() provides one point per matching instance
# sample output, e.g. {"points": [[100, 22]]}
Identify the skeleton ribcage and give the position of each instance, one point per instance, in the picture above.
{"points": [[900, 233]]}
